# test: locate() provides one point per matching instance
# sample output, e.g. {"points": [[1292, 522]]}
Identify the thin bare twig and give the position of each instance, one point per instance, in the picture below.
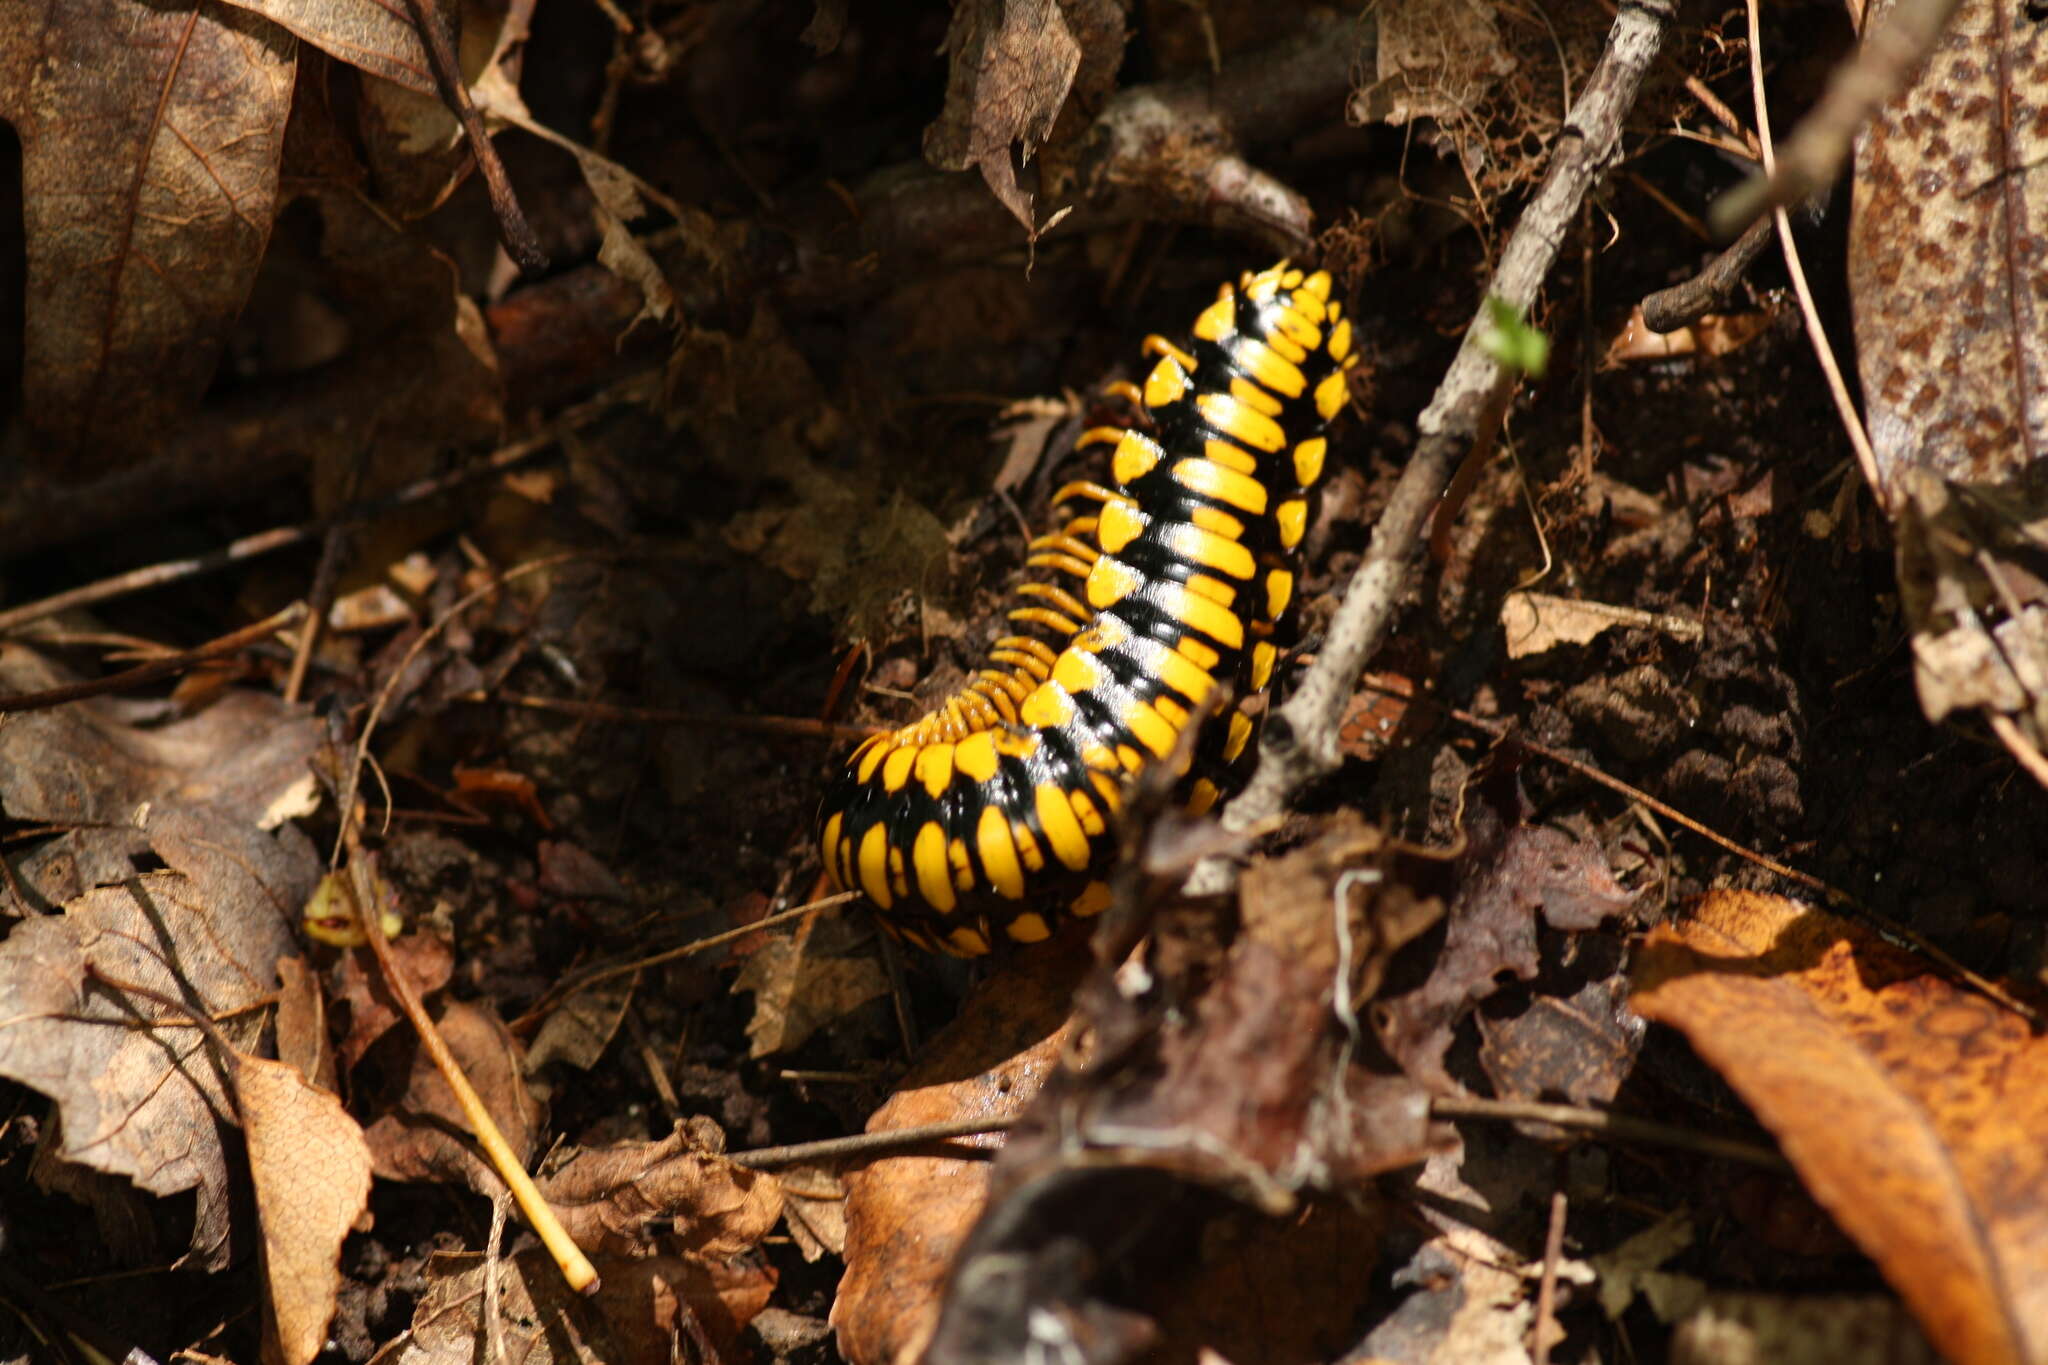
{"points": [[1621, 1127], [888, 1142], [283, 537], [1300, 740], [155, 668], [586, 980], [1714, 288], [1852, 423], [516, 233], [1882, 67], [1546, 1287], [794, 726], [576, 1268]]}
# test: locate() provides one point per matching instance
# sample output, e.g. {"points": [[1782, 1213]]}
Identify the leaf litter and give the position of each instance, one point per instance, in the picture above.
{"points": [[1282, 1052]]}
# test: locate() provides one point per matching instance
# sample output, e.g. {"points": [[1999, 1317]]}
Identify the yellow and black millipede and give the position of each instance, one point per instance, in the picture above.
{"points": [[990, 814]]}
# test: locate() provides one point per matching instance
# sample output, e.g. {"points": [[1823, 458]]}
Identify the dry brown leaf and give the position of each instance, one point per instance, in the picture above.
{"points": [[1911, 1108], [415, 1136], [641, 1315], [614, 1200], [1710, 335], [146, 1102], [1510, 876], [150, 142], [302, 1042], [1013, 63], [311, 1169], [93, 763], [376, 38], [1536, 622], [579, 1029], [907, 1215], [1946, 292], [1940, 250], [798, 991], [427, 961]]}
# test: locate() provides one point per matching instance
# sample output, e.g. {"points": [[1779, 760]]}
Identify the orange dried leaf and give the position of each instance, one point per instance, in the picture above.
{"points": [[907, 1215], [1912, 1108], [311, 1169]]}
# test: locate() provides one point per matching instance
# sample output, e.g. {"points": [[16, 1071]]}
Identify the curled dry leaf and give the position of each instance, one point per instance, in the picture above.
{"points": [[1232, 1077], [301, 1024], [1013, 63], [907, 1214], [1911, 1108], [150, 148], [311, 1170], [1536, 622], [146, 1102], [615, 1200], [373, 37], [422, 1134]]}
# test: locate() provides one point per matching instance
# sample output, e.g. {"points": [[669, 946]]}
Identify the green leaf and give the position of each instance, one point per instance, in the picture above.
{"points": [[1512, 341]]}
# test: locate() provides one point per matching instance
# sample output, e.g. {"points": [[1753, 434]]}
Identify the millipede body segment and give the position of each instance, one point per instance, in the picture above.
{"points": [[990, 815]]}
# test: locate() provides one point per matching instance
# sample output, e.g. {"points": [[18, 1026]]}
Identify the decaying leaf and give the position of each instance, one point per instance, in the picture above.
{"points": [[646, 1312], [1910, 1106], [798, 990], [427, 961], [94, 763], [1537, 622], [150, 145], [139, 1091], [311, 1170], [1511, 876], [1013, 63], [579, 1028], [1436, 60], [1249, 1088], [421, 1134], [906, 1215], [1946, 292], [616, 1199]]}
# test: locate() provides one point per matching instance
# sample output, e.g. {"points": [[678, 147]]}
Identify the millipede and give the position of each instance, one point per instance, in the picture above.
{"points": [[990, 815]]}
